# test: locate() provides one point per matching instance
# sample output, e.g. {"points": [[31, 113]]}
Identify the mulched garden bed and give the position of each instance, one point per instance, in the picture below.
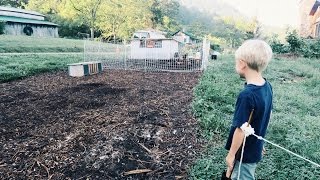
{"points": [[114, 125]]}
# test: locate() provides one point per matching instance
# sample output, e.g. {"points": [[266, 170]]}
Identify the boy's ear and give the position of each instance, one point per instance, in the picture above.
{"points": [[243, 63]]}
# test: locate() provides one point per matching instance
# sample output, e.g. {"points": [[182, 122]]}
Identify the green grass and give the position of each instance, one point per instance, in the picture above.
{"points": [[294, 125], [13, 67], [17, 66], [26, 44]]}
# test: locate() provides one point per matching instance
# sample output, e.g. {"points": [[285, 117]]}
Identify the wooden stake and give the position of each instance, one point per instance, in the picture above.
{"points": [[137, 171]]}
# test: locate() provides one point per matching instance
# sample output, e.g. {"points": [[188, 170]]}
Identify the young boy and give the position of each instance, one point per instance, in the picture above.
{"points": [[252, 57]]}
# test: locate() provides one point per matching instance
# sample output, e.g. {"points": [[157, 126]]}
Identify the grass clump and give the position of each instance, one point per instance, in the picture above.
{"points": [[13, 67]]}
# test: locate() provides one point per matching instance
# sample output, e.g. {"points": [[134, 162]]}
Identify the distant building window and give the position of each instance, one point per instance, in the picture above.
{"points": [[158, 44], [317, 32], [142, 43], [150, 43]]}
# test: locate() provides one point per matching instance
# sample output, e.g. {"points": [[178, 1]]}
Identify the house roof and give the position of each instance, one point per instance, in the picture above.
{"points": [[152, 33], [156, 39], [25, 20], [10, 9], [314, 7], [188, 34]]}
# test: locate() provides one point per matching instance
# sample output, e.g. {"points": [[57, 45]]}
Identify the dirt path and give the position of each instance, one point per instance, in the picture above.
{"points": [[98, 127]]}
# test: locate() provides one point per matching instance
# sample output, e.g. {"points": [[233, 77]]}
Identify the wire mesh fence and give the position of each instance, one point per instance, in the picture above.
{"points": [[127, 56]]}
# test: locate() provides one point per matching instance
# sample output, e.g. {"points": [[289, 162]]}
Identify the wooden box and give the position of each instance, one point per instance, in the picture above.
{"points": [[84, 68]]}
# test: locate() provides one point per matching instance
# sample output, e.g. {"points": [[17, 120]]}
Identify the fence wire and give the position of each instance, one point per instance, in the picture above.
{"points": [[118, 56]]}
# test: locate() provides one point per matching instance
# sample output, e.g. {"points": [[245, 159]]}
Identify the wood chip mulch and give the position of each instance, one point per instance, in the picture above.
{"points": [[113, 125]]}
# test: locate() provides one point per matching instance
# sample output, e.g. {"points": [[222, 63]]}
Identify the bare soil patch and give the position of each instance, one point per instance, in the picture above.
{"points": [[104, 126]]}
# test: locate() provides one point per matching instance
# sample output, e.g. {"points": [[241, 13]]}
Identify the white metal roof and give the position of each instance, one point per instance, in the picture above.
{"points": [[153, 34], [23, 11]]}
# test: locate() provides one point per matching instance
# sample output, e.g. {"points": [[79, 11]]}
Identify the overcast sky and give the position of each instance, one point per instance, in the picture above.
{"points": [[270, 12]]}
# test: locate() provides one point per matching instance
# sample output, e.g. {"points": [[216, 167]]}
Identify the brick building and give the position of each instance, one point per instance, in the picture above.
{"points": [[309, 18]]}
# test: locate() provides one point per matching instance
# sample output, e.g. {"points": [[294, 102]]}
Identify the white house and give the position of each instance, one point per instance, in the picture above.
{"points": [[151, 44], [184, 37]]}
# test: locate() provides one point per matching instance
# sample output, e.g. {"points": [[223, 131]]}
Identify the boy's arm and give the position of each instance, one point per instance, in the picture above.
{"points": [[237, 140], [244, 106]]}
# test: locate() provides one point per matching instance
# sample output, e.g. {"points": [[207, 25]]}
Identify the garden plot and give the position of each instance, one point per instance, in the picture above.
{"points": [[114, 125]]}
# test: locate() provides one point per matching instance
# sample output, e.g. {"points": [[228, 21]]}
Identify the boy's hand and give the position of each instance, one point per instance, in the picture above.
{"points": [[230, 163]]}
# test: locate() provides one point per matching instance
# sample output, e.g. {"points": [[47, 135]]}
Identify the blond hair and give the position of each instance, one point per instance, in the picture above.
{"points": [[256, 53]]}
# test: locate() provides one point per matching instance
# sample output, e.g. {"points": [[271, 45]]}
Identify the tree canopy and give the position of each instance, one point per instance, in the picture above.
{"points": [[118, 19]]}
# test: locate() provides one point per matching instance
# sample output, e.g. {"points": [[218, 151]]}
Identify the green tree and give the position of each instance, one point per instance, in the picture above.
{"points": [[165, 14], [294, 41], [198, 29], [47, 6], [235, 30], [163, 8], [120, 19], [170, 25], [69, 27], [116, 18], [14, 3], [72, 16], [87, 11]]}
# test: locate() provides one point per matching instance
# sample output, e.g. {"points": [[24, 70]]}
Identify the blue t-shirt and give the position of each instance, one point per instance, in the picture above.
{"points": [[258, 98]]}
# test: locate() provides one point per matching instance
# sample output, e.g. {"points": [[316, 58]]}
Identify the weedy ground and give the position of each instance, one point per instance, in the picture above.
{"points": [[294, 125]]}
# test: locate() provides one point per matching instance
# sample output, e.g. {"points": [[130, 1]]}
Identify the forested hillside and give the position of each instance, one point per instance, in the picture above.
{"points": [[118, 19]]}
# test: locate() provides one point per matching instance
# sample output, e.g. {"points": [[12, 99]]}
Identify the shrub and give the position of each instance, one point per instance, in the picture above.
{"points": [[69, 28], [216, 47], [294, 41], [311, 49], [277, 46]]}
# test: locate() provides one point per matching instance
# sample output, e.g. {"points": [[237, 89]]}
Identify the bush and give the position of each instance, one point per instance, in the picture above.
{"points": [[2, 24], [295, 43], [308, 48], [68, 28], [215, 47], [277, 46], [311, 49]]}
